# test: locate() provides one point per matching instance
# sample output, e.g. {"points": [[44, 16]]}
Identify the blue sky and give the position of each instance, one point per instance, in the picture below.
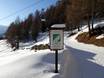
{"points": [[8, 7]]}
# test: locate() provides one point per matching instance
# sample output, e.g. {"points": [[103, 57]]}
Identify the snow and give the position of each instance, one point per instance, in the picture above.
{"points": [[69, 67], [99, 24], [100, 36], [77, 60], [28, 65], [90, 58], [58, 26], [25, 63], [82, 60], [42, 39]]}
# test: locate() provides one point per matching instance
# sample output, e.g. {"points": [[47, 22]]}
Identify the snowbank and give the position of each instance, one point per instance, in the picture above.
{"points": [[25, 63], [85, 60], [100, 36], [99, 24]]}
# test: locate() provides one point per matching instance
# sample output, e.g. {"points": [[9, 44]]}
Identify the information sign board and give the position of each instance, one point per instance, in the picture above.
{"points": [[56, 39]]}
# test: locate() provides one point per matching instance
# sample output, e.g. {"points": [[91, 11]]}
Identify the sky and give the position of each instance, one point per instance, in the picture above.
{"points": [[11, 9]]}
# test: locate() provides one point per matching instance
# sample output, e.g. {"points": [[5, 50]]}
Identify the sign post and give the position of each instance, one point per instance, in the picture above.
{"points": [[56, 35], [56, 61]]}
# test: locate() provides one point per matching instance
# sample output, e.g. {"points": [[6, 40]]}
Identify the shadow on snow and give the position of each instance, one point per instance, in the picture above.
{"points": [[88, 68]]}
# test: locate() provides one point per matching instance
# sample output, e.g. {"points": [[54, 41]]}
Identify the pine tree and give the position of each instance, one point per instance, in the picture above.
{"points": [[36, 25]]}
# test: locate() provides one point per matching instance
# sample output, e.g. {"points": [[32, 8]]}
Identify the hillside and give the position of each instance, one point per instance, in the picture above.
{"points": [[96, 39], [77, 60], [82, 60]]}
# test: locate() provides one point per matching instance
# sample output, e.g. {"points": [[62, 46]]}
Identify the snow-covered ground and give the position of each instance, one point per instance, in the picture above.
{"points": [[25, 63], [77, 60], [88, 58], [82, 60], [100, 36]]}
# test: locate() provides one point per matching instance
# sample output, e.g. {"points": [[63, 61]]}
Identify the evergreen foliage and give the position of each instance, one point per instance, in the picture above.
{"points": [[70, 12]]}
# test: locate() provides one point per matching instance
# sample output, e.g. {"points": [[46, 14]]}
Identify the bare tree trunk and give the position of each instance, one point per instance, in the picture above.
{"points": [[78, 28], [89, 26], [92, 21], [92, 13]]}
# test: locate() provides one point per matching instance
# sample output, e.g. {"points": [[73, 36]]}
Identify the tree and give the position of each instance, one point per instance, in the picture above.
{"points": [[36, 25], [43, 21], [74, 13], [55, 14]]}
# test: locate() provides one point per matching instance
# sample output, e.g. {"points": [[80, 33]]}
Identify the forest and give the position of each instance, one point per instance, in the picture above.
{"points": [[73, 13]]}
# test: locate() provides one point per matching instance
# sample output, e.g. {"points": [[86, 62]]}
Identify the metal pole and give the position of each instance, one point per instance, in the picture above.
{"points": [[56, 61]]}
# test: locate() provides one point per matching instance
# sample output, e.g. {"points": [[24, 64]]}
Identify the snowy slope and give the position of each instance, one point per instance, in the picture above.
{"points": [[88, 58], [42, 39], [25, 63], [78, 60]]}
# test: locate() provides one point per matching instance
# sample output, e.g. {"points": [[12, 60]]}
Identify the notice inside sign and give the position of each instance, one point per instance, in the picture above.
{"points": [[56, 39]]}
